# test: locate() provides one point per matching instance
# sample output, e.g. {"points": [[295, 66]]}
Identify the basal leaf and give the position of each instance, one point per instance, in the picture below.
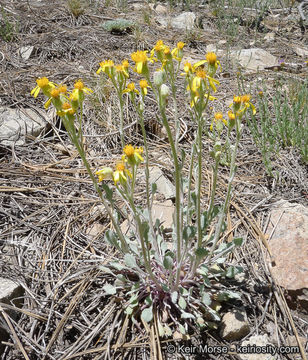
{"points": [[186, 315], [147, 314], [168, 262], [130, 261], [182, 303], [109, 289]]}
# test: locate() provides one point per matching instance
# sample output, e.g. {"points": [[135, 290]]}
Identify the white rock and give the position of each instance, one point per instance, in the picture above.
{"points": [[164, 185], [185, 21], [269, 36], [15, 124], [234, 325], [257, 342], [160, 9], [26, 52], [301, 51], [9, 290], [255, 59]]}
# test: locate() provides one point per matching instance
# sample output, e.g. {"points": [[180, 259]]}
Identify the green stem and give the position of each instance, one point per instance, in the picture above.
{"points": [[145, 252], [228, 196], [178, 204], [99, 191]]}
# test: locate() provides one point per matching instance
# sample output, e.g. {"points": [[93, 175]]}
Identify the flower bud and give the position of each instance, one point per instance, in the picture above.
{"points": [[159, 77], [164, 90]]}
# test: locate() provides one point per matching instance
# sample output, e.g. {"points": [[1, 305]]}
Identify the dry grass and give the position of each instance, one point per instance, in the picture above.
{"points": [[48, 204]]}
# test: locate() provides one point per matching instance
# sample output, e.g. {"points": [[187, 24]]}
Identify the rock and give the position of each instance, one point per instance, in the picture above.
{"points": [[288, 231], [160, 9], [26, 52], [301, 52], [164, 185], [255, 59], [234, 325], [95, 229], [184, 21], [255, 345], [15, 124], [269, 36], [162, 211], [9, 290]]}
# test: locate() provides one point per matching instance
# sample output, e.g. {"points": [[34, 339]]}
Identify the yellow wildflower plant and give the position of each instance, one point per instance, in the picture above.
{"points": [[105, 173], [121, 173], [131, 89], [77, 95], [218, 120], [42, 84], [67, 110], [141, 59], [107, 67], [177, 52], [158, 50], [143, 86], [133, 154], [241, 104], [213, 63]]}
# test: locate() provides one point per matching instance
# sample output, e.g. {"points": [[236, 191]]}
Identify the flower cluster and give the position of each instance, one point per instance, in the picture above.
{"points": [[200, 79], [131, 157], [65, 102]]}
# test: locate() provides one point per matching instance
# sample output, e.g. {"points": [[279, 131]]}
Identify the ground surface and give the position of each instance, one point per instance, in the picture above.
{"points": [[48, 204]]}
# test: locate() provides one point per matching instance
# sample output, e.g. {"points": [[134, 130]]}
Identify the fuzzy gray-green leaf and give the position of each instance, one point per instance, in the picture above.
{"points": [[147, 314]]}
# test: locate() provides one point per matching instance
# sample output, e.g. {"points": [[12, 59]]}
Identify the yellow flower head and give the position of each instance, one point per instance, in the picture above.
{"points": [[141, 59], [159, 46], [129, 150], [218, 120], [62, 89], [107, 67], [79, 85], [201, 73], [77, 95], [218, 116], [213, 63], [211, 58], [180, 45], [231, 115], [144, 85], [125, 64], [54, 93], [167, 50], [105, 173], [120, 166], [133, 154], [237, 100], [42, 82], [66, 109], [66, 106], [245, 98], [131, 89], [120, 174], [177, 52]]}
